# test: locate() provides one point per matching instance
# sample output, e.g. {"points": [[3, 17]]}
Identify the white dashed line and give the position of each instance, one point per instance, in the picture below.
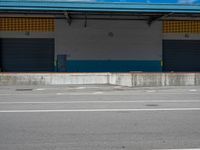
{"points": [[193, 90], [96, 93], [60, 93], [80, 88], [179, 149], [39, 89], [150, 91]]}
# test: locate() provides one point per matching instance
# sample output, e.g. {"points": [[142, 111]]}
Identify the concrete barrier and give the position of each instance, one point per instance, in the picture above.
{"points": [[180, 79], [149, 79], [79, 78], [123, 79], [52, 78], [197, 78], [24, 79]]}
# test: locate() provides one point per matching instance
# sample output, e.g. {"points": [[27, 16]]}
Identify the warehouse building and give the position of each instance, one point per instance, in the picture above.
{"points": [[61, 36]]}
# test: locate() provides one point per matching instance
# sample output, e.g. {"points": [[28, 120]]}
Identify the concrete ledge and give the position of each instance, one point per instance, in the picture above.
{"points": [[52, 78], [149, 79], [197, 78], [180, 79], [84, 78], [123, 79], [21, 79]]}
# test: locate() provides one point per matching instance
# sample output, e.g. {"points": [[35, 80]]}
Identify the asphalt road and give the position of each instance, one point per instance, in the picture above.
{"points": [[99, 118]]}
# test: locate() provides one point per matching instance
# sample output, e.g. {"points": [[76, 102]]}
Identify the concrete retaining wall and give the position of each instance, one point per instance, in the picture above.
{"points": [[150, 79], [87, 78], [180, 79], [52, 78], [197, 79], [123, 79]]}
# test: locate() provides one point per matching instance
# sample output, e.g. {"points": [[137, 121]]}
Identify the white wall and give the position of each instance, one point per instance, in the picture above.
{"points": [[132, 40]]}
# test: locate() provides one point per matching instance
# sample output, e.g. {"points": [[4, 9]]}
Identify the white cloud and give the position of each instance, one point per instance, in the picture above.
{"points": [[186, 1]]}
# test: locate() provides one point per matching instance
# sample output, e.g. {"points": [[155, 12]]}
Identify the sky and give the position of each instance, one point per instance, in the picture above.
{"points": [[151, 1]]}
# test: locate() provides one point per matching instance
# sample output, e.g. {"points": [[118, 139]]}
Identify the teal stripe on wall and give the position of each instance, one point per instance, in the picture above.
{"points": [[113, 66]]}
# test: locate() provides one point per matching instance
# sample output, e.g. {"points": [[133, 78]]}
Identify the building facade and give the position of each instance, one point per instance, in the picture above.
{"points": [[60, 36]]}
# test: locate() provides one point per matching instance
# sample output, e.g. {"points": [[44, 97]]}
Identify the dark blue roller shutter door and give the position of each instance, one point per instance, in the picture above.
{"points": [[181, 55], [27, 55]]}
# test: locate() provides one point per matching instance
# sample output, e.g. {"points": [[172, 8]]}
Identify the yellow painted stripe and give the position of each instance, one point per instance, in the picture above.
{"points": [[181, 26], [27, 24]]}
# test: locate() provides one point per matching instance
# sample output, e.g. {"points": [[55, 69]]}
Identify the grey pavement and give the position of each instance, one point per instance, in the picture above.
{"points": [[94, 117]]}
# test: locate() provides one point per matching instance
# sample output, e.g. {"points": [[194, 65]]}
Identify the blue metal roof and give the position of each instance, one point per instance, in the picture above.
{"points": [[63, 5]]}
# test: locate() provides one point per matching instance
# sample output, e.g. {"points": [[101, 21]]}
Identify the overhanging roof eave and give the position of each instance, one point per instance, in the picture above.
{"points": [[48, 5]]}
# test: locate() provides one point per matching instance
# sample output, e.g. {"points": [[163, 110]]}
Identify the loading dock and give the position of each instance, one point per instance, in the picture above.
{"points": [[98, 37], [27, 55], [181, 55]]}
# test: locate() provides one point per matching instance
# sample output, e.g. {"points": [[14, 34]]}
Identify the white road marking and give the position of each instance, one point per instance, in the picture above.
{"points": [[79, 88], [98, 110], [40, 89], [118, 87], [60, 93], [150, 91], [97, 93], [193, 90], [76, 102], [179, 149]]}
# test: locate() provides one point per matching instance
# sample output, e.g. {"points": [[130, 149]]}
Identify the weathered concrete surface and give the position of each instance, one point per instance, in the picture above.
{"points": [[24, 79], [52, 78], [77, 78], [180, 79], [123, 79], [149, 79], [197, 78]]}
